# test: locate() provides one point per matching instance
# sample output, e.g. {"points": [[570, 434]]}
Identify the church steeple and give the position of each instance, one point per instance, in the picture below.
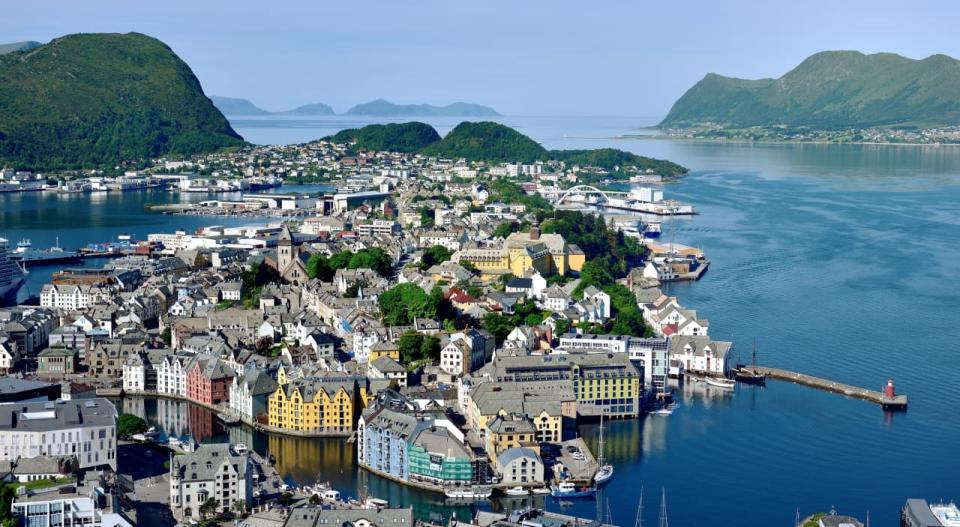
{"points": [[285, 248]]}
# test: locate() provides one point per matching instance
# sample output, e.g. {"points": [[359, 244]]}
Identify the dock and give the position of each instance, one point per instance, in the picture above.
{"points": [[897, 402]]}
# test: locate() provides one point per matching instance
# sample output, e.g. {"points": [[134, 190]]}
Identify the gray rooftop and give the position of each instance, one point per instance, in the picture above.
{"points": [[46, 416]]}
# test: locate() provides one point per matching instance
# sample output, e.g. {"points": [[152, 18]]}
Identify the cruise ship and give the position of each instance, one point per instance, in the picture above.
{"points": [[11, 276]]}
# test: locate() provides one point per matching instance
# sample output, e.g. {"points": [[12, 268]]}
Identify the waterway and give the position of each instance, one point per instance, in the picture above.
{"points": [[840, 260]]}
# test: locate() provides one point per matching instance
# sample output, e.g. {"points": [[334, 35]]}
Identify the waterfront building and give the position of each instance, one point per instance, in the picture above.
{"points": [[603, 383], [172, 374], [74, 297], [550, 405], [213, 471], [383, 439], [438, 454], [208, 380], [520, 466], [249, 393], [509, 431], [318, 404], [919, 513], [701, 354], [83, 429], [652, 354]]}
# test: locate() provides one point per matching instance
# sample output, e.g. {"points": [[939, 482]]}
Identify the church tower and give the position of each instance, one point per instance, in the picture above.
{"points": [[285, 249]]}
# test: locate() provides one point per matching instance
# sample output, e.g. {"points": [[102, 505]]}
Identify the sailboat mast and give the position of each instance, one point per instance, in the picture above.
{"points": [[663, 510], [600, 459], [639, 521]]}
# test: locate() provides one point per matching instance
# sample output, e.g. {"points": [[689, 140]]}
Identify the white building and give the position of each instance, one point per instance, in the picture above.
{"points": [[85, 429], [378, 227], [700, 354], [74, 297], [172, 375], [211, 472], [84, 508]]}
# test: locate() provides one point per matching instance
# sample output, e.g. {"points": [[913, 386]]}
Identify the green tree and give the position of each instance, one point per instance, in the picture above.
{"points": [[402, 303], [208, 509], [561, 327], [505, 229], [129, 424], [166, 335], [498, 325], [434, 255]]}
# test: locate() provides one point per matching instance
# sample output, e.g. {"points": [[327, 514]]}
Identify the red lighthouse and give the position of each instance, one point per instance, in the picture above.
{"points": [[888, 390]]}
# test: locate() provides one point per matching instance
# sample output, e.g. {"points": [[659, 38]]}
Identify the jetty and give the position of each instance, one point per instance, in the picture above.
{"points": [[888, 398]]}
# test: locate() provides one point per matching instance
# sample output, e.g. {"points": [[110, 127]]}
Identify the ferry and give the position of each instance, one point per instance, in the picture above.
{"points": [[568, 489], [25, 253], [650, 201], [12, 275]]}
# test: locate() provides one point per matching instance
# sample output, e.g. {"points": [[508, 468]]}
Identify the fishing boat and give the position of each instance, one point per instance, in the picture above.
{"points": [[751, 375], [516, 491], [605, 472], [569, 489], [720, 382]]}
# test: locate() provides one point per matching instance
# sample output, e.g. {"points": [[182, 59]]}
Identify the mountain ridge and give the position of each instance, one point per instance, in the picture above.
{"points": [[829, 89]]}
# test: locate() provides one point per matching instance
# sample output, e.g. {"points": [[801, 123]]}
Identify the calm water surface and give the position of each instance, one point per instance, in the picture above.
{"points": [[840, 260]]}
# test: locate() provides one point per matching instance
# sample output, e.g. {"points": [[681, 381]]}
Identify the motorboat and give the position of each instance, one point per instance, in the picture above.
{"points": [[569, 489], [476, 492], [721, 382], [516, 491]]}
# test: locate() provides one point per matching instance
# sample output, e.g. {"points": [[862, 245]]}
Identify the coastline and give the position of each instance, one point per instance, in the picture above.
{"points": [[704, 140]]}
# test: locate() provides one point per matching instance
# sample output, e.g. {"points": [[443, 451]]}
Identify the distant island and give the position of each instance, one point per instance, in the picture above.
{"points": [[18, 46], [833, 96], [240, 107], [383, 108], [495, 143], [92, 100]]}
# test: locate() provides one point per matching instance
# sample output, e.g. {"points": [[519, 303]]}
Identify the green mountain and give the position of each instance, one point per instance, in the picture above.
{"points": [[18, 46], [610, 158], [832, 89], [395, 137], [311, 109], [235, 106], [382, 108], [96, 99], [487, 141]]}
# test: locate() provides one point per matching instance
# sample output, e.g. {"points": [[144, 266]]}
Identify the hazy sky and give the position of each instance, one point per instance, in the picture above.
{"points": [[521, 57]]}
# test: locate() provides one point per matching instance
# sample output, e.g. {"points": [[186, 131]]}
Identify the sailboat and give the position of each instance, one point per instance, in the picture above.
{"points": [[664, 522], [751, 375], [605, 472]]}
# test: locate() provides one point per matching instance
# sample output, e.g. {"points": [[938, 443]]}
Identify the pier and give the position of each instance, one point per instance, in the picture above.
{"points": [[895, 402]]}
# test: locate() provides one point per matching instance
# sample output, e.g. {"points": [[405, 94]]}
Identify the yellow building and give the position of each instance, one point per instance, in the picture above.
{"points": [[547, 404], [315, 405], [509, 431], [384, 349], [549, 254]]}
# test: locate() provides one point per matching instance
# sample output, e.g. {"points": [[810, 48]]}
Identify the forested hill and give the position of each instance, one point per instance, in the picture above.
{"points": [[90, 100], [832, 89]]}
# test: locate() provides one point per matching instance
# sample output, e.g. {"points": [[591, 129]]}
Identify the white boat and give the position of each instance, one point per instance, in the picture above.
{"points": [[720, 382], [468, 493], [516, 491], [375, 504], [12, 276], [605, 472], [541, 490], [240, 448]]}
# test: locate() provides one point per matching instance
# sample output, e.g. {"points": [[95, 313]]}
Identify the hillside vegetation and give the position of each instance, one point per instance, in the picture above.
{"points": [[395, 137], [832, 89], [96, 99]]}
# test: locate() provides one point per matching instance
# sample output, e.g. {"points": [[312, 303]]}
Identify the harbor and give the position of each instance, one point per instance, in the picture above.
{"points": [[887, 398]]}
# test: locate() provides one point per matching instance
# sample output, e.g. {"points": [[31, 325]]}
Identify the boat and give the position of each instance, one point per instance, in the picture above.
{"points": [[540, 491], [605, 472], [568, 489], [720, 382], [666, 409], [375, 504], [653, 229], [477, 492], [240, 448], [25, 253], [516, 491], [12, 276], [750, 375], [228, 419]]}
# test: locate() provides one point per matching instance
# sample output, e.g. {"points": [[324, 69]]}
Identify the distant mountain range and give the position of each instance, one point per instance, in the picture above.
{"points": [[831, 89], [376, 108], [93, 99], [383, 108]]}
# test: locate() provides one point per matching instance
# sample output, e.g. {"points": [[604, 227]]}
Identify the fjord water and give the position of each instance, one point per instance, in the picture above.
{"points": [[841, 261]]}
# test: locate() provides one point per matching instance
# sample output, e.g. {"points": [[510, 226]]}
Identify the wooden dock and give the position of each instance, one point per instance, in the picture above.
{"points": [[897, 402]]}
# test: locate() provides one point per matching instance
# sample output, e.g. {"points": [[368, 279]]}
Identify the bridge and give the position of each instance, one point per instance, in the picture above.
{"points": [[603, 196]]}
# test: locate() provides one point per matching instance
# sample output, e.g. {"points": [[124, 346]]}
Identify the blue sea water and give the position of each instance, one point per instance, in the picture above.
{"points": [[840, 260]]}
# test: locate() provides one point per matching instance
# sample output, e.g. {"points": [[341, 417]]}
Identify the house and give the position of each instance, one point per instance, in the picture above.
{"points": [[385, 349], [9, 356], [701, 354], [509, 431], [214, 472], [249, 393], [208, 380], [321, 343], [555, 299], [520, 466], [387, 368]]}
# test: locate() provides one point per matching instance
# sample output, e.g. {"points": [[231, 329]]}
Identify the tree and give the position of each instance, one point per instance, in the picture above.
{"points": [[427, 217], [166, 335], [498, 325], [402, 303], [434, 255], [209, 508], [129, 424], [505, 229]]}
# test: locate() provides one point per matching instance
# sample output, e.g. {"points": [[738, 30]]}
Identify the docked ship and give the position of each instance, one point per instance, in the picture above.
{"points": [[649, 201], [12, 275], [25, 253]]}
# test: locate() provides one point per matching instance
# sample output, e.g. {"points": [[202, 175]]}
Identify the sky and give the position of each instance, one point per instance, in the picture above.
{"points": [[526, 57]]}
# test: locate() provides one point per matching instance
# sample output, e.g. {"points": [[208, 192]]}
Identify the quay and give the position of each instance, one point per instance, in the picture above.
{"points": [[889, 401]]}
